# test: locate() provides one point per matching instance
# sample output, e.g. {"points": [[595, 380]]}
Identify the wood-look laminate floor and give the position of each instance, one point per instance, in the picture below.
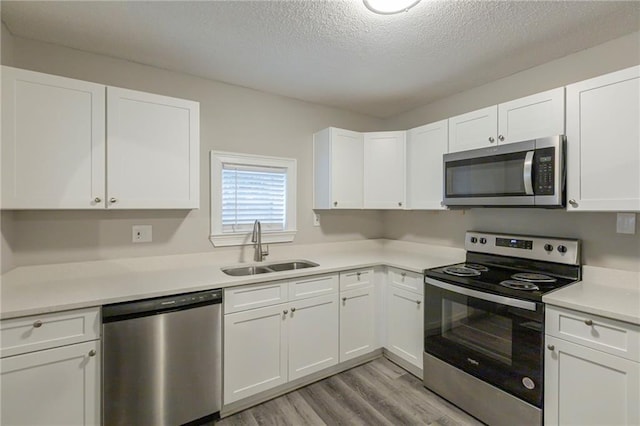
{"points": [[376, 393]]}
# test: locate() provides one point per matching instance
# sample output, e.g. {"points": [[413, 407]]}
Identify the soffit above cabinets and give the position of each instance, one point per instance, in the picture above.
{"points": [[335, 53]]}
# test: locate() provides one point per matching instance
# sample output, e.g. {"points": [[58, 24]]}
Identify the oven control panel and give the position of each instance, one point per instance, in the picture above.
{"points": [[549, 249]]}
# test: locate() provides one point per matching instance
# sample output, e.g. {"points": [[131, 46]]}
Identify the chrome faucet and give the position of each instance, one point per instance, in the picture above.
{"points": [[256, 238]]}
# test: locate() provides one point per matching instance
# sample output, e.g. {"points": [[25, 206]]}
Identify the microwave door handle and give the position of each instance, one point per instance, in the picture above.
{"points": [[527, 173]]}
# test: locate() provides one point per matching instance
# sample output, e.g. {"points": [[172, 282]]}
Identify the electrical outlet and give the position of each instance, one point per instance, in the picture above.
{"points": [[626, 223], [141, 234], [316, 219]]}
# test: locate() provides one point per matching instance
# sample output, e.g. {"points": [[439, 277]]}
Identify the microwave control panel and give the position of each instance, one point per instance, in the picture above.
{"points": [[544, 166]]}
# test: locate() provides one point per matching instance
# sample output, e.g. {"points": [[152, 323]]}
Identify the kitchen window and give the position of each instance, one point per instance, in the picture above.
{"points": [[246, 188]]}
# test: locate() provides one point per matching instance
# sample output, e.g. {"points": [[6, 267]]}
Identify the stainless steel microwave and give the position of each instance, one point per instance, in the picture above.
{"points": [[521, 174]]}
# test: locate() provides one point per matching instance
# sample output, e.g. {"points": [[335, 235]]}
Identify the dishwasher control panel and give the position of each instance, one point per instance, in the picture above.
{"points": [[120, 311]]}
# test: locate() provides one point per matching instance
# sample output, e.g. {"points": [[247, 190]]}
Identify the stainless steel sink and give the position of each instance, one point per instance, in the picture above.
{"points": [[240, 271], [288, 266]]}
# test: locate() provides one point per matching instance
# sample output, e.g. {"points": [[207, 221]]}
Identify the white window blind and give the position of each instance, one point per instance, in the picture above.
{"points": [[252, 193]]}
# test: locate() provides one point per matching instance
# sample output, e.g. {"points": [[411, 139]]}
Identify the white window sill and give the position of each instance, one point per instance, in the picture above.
{"points": [[241, 239]]}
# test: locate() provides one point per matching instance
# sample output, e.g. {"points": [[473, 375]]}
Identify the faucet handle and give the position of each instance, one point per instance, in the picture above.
{"points": [[265, 251]]}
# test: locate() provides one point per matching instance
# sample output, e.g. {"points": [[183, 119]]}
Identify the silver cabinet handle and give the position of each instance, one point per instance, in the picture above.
{"points": [[37, 324], [358, 274], [403, 274], [285, 312], [293, 310], [551, 347], [335, 204], [491, 139], [344, 299], [588, 322], [573, 203], [399, 203], [418, 302], [500, 138], [97, 200], [92, 352], [113, 200]]}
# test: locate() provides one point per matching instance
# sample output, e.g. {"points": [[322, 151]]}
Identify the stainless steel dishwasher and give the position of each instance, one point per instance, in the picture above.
{"points": [[162, 360]]}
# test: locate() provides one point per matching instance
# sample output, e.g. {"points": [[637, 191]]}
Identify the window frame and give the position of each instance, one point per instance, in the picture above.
{"points": [[224, 239]]}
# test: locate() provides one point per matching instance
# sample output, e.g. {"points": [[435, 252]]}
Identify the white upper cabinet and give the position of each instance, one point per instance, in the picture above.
{"points": [[338, 169], [153, 145], [58, 153], [532, 117], [53, 142], [425, 147], [384, 170], [603, 143], [536, 116], [476, 129]]}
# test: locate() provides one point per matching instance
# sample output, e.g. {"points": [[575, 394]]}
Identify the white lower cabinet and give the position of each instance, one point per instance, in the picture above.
{"points": [[313, 335], [357, 323], [584, 386], [405, 321], [255, 351], [592, 370], [58, 384], [272, 345]]}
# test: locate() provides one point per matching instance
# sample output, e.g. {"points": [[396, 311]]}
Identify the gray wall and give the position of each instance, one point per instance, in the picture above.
{"points": [[232, 118], [601, 245]]}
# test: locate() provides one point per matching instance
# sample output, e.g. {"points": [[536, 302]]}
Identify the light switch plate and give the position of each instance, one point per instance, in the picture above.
{"points": [[316, 219], [141, 233], [626, 223]]}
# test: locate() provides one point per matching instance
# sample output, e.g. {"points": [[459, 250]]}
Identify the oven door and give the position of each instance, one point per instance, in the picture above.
{"points": [[494, 338]]}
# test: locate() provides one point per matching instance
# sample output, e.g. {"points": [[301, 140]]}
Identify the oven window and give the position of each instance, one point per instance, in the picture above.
{"points": [[479, 330], [486, 177]]}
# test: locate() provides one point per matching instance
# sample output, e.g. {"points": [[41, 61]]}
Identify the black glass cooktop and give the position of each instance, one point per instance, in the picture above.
{"points": [[489, 271]]}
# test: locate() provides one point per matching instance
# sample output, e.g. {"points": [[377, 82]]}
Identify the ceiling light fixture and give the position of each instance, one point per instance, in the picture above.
{"points": [[390, 7]]}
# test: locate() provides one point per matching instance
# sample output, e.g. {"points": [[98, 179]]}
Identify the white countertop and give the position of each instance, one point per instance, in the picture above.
{"points": [[606, 292], [50, 288], [40, 289]]}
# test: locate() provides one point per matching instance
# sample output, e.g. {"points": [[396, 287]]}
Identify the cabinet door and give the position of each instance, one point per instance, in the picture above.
{"points": [[425, 146], [405, 325], [384, 170], [584, 386], [313, 335], [603, 143], [532, 117], [53, 136], [357, 323], [255, 351], [58, 386], [153, 150], [346, 169], [476, 129]]}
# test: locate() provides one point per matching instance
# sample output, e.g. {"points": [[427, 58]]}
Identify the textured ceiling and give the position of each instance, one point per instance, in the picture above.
{"points": [[335, 53]]}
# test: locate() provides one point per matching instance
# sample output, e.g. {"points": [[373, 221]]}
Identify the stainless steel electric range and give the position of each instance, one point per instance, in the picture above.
{"points": [[484, 324]]}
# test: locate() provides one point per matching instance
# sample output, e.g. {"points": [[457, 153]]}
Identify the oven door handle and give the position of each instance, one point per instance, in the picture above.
{"points": [[527, 173], [489, 297]]}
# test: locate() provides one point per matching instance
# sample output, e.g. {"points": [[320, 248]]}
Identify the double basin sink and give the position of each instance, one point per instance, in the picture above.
{"points": [[240, 271]]}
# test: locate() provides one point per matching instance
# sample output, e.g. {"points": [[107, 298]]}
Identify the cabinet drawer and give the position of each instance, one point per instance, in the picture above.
{"points": [[356, 279], [406, 280], [313, 286], [34, 333], [604, 334], [238, 299]]}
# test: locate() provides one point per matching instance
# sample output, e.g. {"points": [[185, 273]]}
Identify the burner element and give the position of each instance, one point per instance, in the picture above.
{"points": [[476, 267], [533, 278], [461, 271], [519, 285]]}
